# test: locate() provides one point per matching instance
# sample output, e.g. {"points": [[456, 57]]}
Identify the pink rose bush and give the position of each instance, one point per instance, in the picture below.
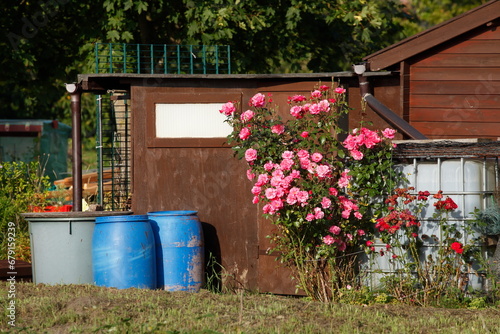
{"points": [[309, 183]]}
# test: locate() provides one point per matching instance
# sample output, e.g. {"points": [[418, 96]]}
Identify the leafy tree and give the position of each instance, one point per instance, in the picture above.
{"points": [[40, 50], [427, 13], [265, 36]]}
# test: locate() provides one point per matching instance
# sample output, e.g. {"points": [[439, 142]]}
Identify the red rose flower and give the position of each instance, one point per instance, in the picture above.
{"points": [[457, 247]]}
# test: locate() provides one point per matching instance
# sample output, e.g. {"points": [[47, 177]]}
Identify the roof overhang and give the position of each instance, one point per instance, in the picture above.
{"points": [[485, 14], [103, 82]]}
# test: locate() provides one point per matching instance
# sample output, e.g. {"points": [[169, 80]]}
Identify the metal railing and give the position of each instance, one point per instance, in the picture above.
{"points": [[162, 58]]}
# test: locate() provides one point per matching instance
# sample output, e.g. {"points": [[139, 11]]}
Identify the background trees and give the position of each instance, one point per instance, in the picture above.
{"points": [[46, 43]]}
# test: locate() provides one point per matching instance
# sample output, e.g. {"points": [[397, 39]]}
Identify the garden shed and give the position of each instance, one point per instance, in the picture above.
{"points": [[449, 75], [27, 140], [179, 159]]}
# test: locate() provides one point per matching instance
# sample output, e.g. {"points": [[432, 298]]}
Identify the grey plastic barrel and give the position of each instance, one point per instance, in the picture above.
{"points": [[61, 245]]}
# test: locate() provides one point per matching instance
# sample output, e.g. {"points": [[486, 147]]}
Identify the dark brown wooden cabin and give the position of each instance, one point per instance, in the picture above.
{"points": [[449, 75], [201, 173]]}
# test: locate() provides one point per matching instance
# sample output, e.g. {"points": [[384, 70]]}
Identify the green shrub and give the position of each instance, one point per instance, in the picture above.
{"points": [[22, 187]]}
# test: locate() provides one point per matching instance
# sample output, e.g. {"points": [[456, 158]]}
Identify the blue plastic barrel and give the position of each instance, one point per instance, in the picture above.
{"points": [[180, 250], [123, 252]]}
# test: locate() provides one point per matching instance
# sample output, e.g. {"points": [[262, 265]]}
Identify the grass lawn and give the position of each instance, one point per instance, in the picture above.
{"points": [[90, 309]]}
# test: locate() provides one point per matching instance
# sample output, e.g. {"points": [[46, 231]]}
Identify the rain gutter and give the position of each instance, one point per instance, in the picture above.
{"points": [[383, 111]]}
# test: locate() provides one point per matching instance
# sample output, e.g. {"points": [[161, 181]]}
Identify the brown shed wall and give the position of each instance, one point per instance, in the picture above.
{"points": [[455, 89]]}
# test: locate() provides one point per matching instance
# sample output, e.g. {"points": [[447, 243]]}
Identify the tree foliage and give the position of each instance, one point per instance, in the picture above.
{"points": [[47, 43], [427, 13]]}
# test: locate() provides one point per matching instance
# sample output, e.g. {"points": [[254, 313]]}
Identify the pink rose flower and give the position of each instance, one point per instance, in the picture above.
{"points": [[250, 155], [262, 179], [247, 116], [350, 142], [342, 245], [324, 106], [276, 180], [270, 193], [244, 133], [297, 112], [326, 202], [332, 191], [340, 90], [318, 213], [268, 209], [298, 98], [291, 199], [316, 94], [335, 230], [328, 240], [287, 155], [268, 166], [277, 204], [356, 155], [278, 172], [314, 109], [258, 100], [344, 178], [310, 217], [323, 170], [286, 164], [324, 88], [278, 129], [303, 154], [304, 134], [302, 196], [389, 133], [250, 174], [256, 190], [369, 138], [361, 233], [316, 157], [228, 109], [305, 163]]}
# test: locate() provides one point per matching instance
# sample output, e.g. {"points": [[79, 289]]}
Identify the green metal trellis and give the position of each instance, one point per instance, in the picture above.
{"points": [[162, 58]]}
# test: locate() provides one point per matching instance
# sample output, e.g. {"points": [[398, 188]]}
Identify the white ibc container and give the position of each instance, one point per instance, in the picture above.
{"points": [[469, 182]]}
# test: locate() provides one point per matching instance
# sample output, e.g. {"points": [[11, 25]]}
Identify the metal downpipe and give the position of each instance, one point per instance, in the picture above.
{"points": [[76, 94], [387, 114]]}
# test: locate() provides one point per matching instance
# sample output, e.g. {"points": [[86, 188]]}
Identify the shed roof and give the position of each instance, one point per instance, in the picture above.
{"points": [[443, 32], [104, 81]]}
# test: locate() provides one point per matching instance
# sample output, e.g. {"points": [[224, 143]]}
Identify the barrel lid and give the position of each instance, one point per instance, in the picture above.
{"points": [[121, 219], [173, 213], [72, 215]]}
